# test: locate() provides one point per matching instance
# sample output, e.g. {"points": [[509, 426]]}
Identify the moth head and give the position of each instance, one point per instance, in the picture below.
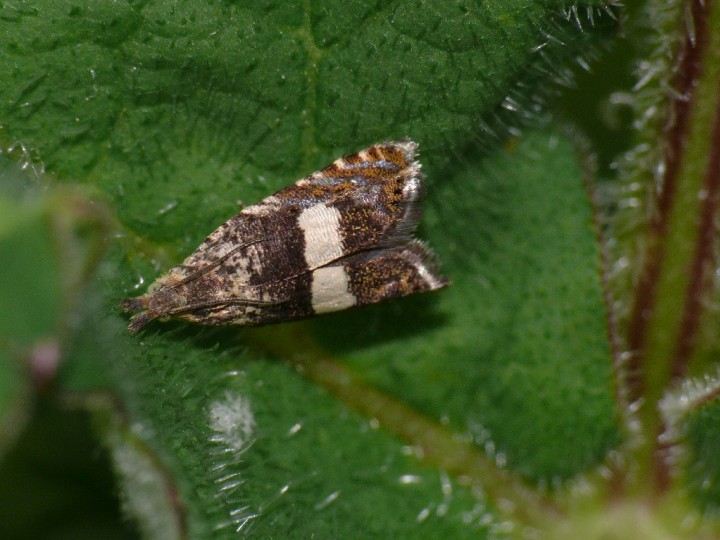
{"points": [[161, 301]]}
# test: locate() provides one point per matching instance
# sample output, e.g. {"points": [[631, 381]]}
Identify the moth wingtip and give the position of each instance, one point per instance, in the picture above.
{"points": [[435, 281], [408, 147], [442, 282], [428, 265]]}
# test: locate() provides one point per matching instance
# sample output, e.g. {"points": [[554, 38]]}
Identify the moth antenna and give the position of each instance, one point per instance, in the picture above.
{"points": [[220, 302]]}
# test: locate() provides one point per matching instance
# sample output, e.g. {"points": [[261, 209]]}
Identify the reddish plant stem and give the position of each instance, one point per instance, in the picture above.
{"points": [[666, 315], [678, 124], [703, 262]]}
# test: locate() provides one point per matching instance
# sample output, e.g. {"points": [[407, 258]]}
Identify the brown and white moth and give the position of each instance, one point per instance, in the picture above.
{"points": [[338, 238]]}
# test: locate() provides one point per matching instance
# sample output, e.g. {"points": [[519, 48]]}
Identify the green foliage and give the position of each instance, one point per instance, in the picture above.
{"points": [[466, 413], [703, 469], [34, 298]]}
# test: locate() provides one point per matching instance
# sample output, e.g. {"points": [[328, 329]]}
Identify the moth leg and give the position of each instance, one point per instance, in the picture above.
{"points": [[138, 321]]}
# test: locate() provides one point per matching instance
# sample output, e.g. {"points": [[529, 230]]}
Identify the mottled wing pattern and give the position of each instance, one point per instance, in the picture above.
{"points": [[373, 276], [310, 248]]}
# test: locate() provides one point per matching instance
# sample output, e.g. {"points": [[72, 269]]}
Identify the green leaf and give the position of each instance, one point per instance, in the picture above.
{"points": [[14, 398], [245, 440], [468, 412], [515, 352], [703, 472], [27, 243], [176, 115], [48, 242]]}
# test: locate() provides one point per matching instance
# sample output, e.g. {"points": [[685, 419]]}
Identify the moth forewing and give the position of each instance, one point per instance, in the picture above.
{"points": [[337, 238]]}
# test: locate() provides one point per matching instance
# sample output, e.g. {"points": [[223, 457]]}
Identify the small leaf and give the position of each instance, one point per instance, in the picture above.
{"points": [[48, 243]]}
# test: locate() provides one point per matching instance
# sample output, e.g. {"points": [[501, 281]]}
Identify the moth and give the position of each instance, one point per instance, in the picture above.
{"points": [[338, 238]]}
